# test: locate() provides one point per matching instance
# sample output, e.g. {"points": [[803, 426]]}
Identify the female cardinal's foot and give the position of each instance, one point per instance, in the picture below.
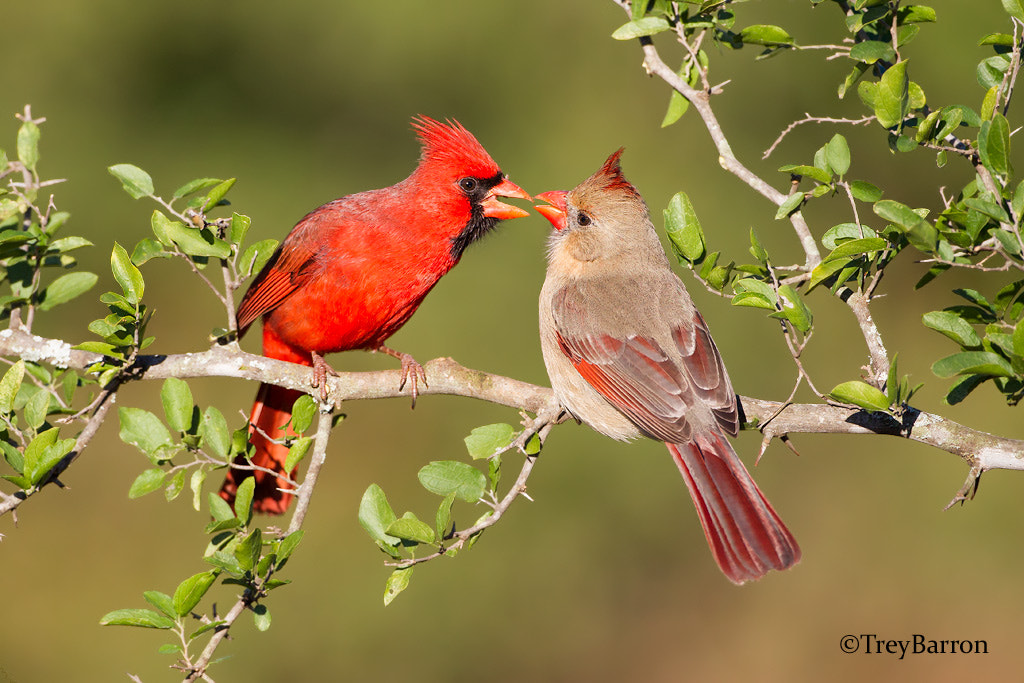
{"points": [[411, 370], [320, 371]]}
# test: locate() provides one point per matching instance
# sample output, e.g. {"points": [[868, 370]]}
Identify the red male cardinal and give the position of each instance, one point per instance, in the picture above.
{"points": [[628, 354], [353, 271]]}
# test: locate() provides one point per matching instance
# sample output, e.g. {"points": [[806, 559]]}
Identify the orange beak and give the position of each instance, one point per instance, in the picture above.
{"points": [[495, 209], [555, 208]]}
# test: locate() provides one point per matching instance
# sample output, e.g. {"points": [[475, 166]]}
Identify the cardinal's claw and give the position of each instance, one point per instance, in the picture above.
{"points": [[412, 372], [320, 371]]}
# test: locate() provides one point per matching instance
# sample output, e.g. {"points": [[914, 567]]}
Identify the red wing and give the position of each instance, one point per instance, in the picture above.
{"points": [[639, 378], [289, 267]]}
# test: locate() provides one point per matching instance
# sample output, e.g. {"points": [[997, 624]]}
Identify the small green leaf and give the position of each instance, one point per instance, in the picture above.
{"points": [[765, 34], [297, 452], [9, 386], [214, 430], [837, 151], [790, 205], [994, 145], [177, 401], [443, 518], [261, 617], [161, 601], [918, 230], [871, 51], [134, 180], [190, 591], [973, 363], [953, 326], [148, 249], [752, 300], [485, 441], [147, 482], [794, 309], [409, 528], [1015, 8], [288, 545], [65, 288], [860, 394], [37, 408], [256, 256], [648, 26], [821, 175], [865, 192], [243, 499], [194, 186], [126, 274], [145, 618], [303, 412], [892, 97], [376, 515], [214, 196], [28, 144], [856, 247], [397, 582], [239, 227], [247, 552], [143, 429], [451, 476], [683, 227], [219, 508]]}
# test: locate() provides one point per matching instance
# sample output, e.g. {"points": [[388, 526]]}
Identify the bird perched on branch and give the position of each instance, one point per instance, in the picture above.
{"points": [[629, 354], [354, 270]]}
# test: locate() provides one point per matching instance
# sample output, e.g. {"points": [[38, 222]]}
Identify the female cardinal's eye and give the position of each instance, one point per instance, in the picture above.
{"points": [[468, 184], [583, 219]]}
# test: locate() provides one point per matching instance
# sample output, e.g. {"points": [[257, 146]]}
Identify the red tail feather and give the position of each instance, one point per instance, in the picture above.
{"points": [[271, 411], [746, 537]]}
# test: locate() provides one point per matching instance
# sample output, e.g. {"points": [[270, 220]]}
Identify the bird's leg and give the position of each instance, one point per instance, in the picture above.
{"points": [[411, 370], [320, 371]]}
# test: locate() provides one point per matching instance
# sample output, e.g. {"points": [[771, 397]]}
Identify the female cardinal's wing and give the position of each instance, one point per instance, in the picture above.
{"points": [[290, 266], [634, 372]]}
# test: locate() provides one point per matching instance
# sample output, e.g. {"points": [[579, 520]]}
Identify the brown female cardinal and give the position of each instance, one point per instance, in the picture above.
{"points": [[628, 354], [353, 271]]}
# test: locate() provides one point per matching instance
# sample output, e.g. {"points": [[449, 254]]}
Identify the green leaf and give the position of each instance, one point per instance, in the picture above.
{"points": [[9, 386], [953, 326], [143, 429], [860, 394], [485, 441], [126, 274], [65, 288], [162, 601], [1015, 8], [190, 591], [145, 618], [243, 499], [28, 144], [147, 482], [303, 412], [973, 363], [994, 145], [148, 249], [683, 227], [451, 476], [756, 250], [766, 34], [177, 400], [397, 582], [214, 196], [191, 241], [752, 300], [288, 545], [36, 408], [214, 430], [134, 180], [261, 617], [865, 192], [194, 186], [870, 51], [837, 151], [409, 528], [677, 106], [919, 231], [239, 228], [892, 98], [443, 518], [376, 515], [256, 256], [297, 452], [790, 205], [794, 309], [648, 26], [248, 551], [814, 172], [856, 247]]}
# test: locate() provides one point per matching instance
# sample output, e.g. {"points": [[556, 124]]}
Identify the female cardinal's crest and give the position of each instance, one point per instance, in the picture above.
{"points": [[451, 144], [608, 179]]}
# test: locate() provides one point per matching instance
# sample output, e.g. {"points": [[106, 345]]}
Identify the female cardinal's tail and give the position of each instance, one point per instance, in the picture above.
{"points": [[271, 411], [746, 537]]}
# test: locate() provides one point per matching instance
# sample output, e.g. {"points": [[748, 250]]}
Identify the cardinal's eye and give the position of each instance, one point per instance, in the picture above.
{"points": [[583, 219], [468, 184]]}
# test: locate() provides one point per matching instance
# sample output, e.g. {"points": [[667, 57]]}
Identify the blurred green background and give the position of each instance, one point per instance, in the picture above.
{"points": [[606, 576]]}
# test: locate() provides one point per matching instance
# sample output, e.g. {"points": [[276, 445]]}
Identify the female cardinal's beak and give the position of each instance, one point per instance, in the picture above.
{"points": [[555, 208], [495, 209]]}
